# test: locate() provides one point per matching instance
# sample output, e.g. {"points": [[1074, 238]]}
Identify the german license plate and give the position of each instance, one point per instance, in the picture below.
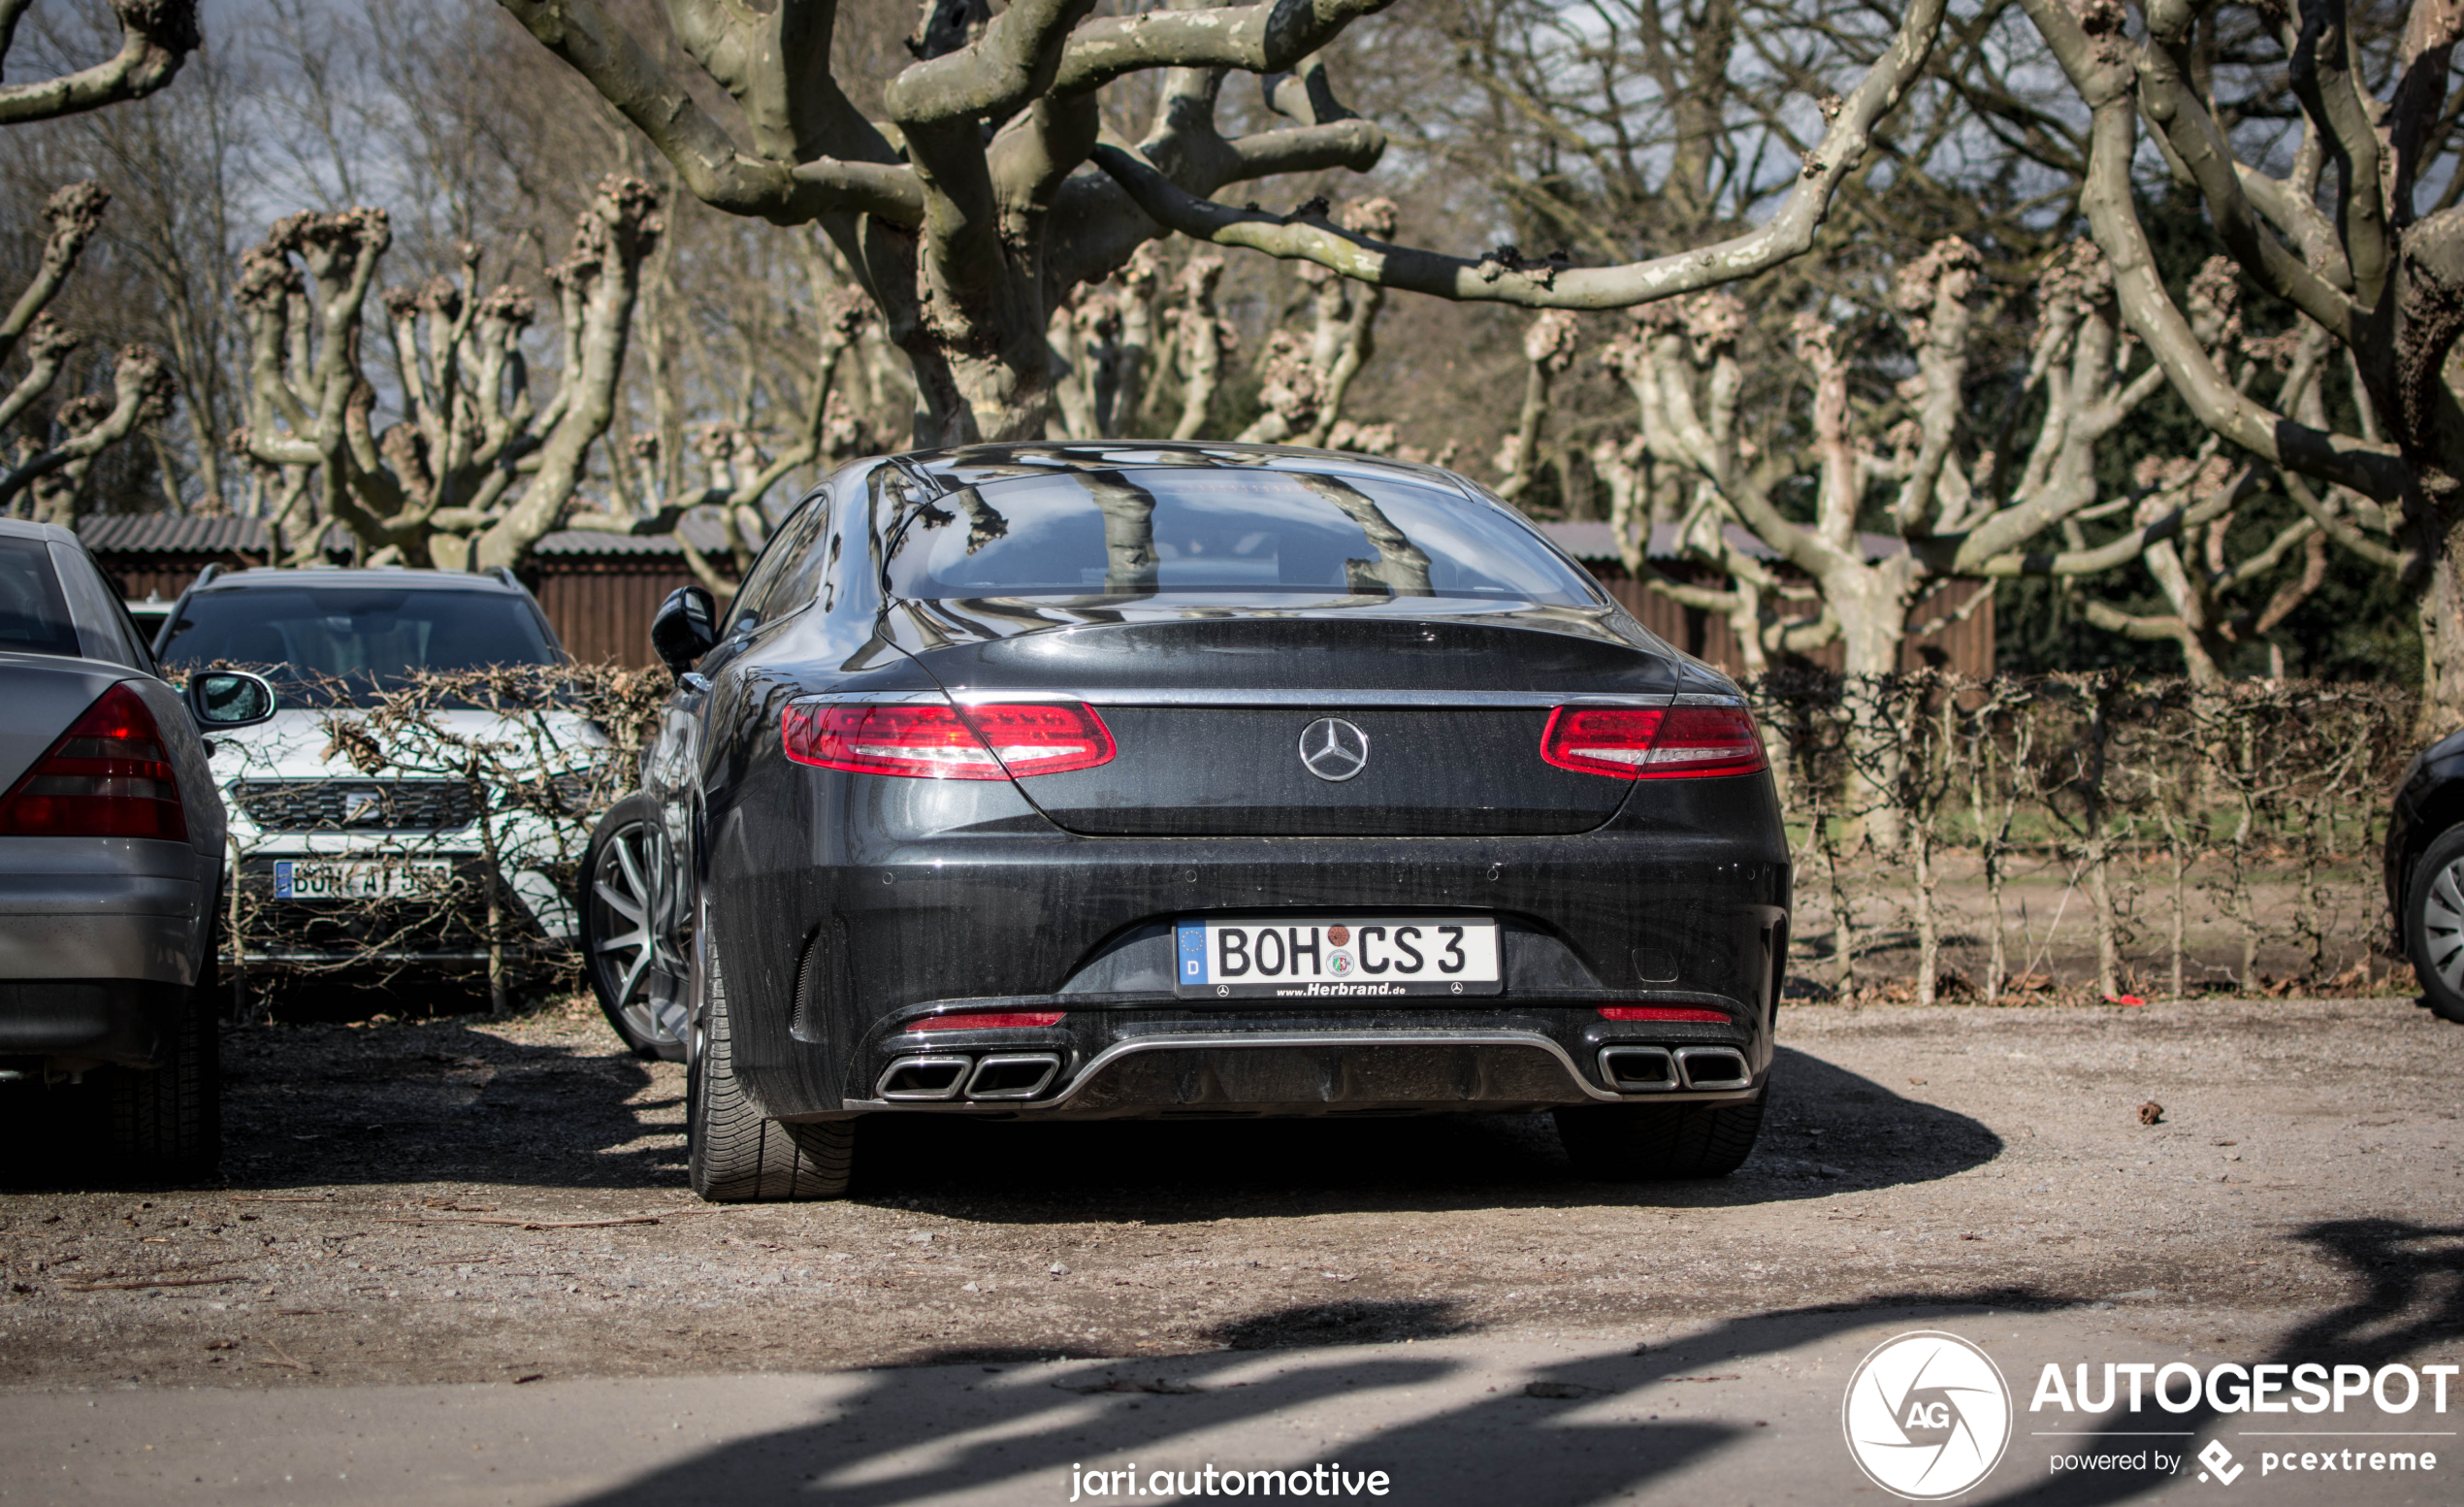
{"points": [[1378, 956], [302, 878]]}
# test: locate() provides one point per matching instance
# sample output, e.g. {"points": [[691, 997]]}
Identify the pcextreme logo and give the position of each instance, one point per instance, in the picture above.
{"points": [[1927, 1416]]}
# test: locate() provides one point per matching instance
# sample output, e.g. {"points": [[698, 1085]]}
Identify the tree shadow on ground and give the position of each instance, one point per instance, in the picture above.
{"points": [[1616, 1425], [1828, 1129], [2412, 1298]]}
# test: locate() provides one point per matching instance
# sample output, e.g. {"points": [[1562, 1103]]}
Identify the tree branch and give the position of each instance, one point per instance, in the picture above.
{"points": [[704, 156], [156, 36], [1504, 276]]}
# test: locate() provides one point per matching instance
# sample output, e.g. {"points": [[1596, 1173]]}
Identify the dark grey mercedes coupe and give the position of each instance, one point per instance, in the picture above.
{"points": [[1095, 780]]}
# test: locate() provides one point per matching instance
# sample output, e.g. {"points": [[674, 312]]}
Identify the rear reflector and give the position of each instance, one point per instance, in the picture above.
{"points": [[988, 1019], [1653, 742], [1655, 1012], [948, 743], [107, 776]]}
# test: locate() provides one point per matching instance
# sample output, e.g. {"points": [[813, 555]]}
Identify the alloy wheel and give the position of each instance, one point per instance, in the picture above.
{"points": [[639, 936]]}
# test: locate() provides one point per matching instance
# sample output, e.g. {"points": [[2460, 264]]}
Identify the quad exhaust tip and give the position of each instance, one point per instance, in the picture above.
{"points": [[1001, 1075], [1714, 1068], [1638, 1070], [925, 1077], [1656, 1069], [1013, 1074]]}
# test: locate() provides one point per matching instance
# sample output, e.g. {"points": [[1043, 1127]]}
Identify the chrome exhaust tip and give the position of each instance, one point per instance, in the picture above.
{"points": [[1714, 1068], [1013, 1074], [923, 1077], [1638, 1069]]}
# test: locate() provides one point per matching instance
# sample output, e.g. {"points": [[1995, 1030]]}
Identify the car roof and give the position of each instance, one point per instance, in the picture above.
{"points": [[19, 528], [380, 577], [971, 465]]}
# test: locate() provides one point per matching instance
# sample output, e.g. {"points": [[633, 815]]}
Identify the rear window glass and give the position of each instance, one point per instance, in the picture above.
{"points": [[33, 617], [1229, 532], [367, 636]]}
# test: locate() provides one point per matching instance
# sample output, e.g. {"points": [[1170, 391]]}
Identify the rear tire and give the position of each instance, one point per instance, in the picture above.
{"points": [[166, 1121], [2434, 925], [1657, 1143], [735, 1154]]}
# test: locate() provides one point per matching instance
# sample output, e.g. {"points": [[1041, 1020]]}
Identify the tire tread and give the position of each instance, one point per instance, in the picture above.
{"points": [[1651, 1143], [738, 1155]]}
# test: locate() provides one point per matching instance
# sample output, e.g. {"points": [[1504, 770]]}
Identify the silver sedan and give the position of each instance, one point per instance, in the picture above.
{"points": [[110, 864]]}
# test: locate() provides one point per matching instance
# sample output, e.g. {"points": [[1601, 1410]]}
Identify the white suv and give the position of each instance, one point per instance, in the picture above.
{"points": [[365, 813]]}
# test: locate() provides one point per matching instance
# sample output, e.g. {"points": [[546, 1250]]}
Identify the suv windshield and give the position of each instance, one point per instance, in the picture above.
{"points": [[367, 636], [1251, 532]]}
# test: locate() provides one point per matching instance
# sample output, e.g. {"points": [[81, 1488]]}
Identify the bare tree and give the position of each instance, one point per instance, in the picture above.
{"points": [[49, 467], [478, 470], [156, 36], [2357, 255], [993, 188]]}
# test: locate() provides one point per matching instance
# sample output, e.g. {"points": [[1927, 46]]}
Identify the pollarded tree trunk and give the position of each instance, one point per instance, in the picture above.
{"points": [[990, 190]]}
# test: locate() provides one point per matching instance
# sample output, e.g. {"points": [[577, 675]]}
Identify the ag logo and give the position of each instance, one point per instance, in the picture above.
{"points": [[1927, 1416]]}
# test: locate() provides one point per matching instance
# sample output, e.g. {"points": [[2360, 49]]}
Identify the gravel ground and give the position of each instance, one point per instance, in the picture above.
{"points": [[465, 1200]]}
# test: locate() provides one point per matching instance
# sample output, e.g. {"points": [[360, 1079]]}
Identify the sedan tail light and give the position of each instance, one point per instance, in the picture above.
{"points": [[1653, 742], [107, 776], [926, 742]]}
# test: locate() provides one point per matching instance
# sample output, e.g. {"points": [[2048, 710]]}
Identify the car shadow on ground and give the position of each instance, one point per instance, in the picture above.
{"points": [[327, 1105], [322, 1105], [1827, 1129]]}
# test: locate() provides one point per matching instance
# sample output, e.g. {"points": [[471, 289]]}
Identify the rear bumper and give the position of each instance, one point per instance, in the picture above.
{"points": [[1287, 1069], [120, 1021], [102, 927]]}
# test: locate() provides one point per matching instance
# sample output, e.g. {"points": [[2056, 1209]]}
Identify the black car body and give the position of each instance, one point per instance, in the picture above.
{"points": [[1007, 945], [2423, 868]]}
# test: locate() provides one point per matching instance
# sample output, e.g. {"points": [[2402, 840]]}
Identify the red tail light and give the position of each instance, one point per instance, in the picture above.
{"points": [[107, 776], [991, 742], [1657, 1012], [1653, 742], [983, 1020]]}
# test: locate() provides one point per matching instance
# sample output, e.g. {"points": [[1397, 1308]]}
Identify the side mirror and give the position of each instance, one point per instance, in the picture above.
{"points": [[684, 627], [221, 699]]}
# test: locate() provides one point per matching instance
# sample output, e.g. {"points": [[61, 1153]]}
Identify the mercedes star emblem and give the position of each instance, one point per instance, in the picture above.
{"points": [[1333, 749]]}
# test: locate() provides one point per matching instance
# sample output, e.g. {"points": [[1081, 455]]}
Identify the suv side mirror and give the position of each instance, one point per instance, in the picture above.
{"points": [[221, 699], [684, 627]]}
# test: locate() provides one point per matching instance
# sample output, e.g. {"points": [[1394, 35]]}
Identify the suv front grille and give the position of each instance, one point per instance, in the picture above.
{"points": [[358, 804]]}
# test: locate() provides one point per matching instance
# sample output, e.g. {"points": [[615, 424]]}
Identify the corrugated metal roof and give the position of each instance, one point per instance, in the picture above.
{"points": [[169, 534], [164, 533], [704, 533]]}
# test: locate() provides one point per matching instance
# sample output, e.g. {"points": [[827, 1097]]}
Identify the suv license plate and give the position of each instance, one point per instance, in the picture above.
{"points": [[300, 878], [1367, 959]]}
